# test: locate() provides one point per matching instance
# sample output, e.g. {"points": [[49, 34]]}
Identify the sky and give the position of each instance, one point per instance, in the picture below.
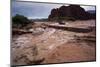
{"points": [[34, 10]]}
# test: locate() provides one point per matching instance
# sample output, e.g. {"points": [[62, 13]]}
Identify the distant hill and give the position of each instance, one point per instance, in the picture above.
{"points": [[39, 20], [71, 12]]}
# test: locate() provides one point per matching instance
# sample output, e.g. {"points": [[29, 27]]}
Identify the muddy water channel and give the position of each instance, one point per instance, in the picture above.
{"points": [[53, 45]]}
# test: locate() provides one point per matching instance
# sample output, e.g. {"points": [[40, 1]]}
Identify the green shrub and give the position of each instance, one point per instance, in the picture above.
{"points": [[67, 18], [63, 18], [19, 20]]}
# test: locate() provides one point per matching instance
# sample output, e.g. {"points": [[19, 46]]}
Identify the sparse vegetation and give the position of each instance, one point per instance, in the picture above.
{"points": [[19, 21], [63, 19]]}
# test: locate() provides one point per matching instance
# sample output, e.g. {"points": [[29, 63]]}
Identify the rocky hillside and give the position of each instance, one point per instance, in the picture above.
{"points": [[71, 12]]}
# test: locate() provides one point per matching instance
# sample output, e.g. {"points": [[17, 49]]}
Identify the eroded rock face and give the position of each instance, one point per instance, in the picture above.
{"points": [[72, 12]]}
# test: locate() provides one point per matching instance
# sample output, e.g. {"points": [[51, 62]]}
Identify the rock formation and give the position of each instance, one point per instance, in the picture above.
{"points": [[71, 12]]}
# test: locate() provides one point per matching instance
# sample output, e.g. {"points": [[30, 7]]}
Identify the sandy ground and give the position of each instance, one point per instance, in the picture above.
{"points": [[55, 46]]}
